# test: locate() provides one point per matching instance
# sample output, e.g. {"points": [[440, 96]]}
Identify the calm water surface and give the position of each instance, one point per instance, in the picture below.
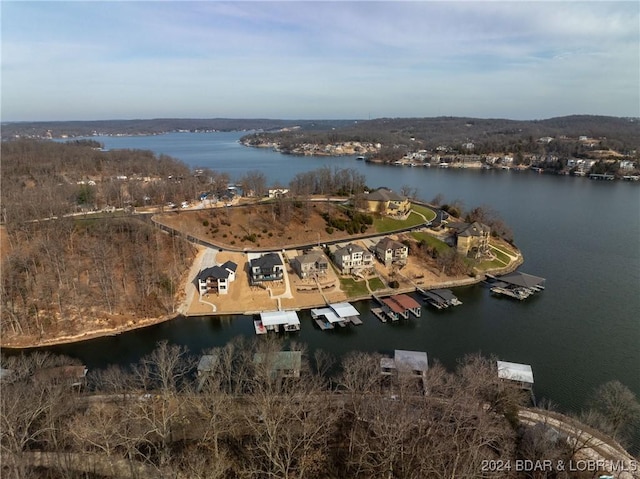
{"points": [[583, 236]]}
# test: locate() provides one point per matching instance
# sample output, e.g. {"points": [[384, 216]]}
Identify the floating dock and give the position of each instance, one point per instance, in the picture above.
{"points": [[287, 321], [440, 298], [379, 313]]}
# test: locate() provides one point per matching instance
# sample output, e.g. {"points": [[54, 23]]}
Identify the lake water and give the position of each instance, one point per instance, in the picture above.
{"points": [[583, 236]]}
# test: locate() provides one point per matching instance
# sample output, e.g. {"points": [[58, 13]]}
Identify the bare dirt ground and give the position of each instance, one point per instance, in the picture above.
{"points": [[233, 227]]}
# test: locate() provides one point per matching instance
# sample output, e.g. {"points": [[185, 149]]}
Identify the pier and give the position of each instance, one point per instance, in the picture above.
{"points": [[440, 298]]}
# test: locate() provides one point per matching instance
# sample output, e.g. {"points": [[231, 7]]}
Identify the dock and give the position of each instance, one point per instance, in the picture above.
{"points": [[287, 321], [336, 314], [440, 298], [517, 285], [393, 310], [409, 305], [379, 313]]}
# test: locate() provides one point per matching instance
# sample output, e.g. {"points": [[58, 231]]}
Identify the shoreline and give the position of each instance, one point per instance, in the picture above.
{"points": [[97, 334]]}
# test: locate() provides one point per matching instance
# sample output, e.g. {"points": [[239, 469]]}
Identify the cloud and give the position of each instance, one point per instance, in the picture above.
{"points": [[318, 59]]}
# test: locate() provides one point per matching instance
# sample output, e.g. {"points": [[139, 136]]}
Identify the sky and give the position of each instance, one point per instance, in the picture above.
{"points": [[97, 60]]}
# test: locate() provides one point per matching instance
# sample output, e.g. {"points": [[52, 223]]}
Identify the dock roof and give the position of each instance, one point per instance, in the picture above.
{"points": [[515, 372], [407, 302], [395, 307], [416, 360], [328, 313], [344, 310], [275, 318], [522, 279]]}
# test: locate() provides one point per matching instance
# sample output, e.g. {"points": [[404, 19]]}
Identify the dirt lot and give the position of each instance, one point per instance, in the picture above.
{"points": [[258, 226]]}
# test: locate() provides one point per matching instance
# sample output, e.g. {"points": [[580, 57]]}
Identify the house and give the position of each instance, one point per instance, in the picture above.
{"points": [[352, 259], [472, 239], [278, 192], [387, 202], [311, 263], [522, 374], [217, 278], [389, 251], [267, 267]]}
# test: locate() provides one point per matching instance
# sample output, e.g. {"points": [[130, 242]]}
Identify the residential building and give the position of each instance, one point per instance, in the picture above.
{"points": [[309, 264], [268, 267], [390, 251], [352, 259], [472, 239], [216, 279], [387, 202]]}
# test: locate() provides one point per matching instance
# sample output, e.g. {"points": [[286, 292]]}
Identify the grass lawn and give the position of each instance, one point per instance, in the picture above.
{"points": [[354, 288], [432, 241], [427, 212], [375, 284], [385, 224]]}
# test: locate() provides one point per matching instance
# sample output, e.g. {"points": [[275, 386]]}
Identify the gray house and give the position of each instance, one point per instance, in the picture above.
{"points": [[311, 263], [268, 267]]}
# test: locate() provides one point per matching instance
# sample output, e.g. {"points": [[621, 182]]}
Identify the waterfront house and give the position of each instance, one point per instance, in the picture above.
{"points": [[472, 239], [352, 259], [387, 202], [313, 263], [216, 279], [267, 267], [389, 251]]}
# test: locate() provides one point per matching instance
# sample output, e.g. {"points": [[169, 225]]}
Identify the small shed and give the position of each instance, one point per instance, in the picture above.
{"points": [[519, 373]]}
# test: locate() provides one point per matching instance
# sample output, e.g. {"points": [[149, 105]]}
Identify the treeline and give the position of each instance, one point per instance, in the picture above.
{"points": [[56, 129], [327, 181], [399, 135], [249, 418]]}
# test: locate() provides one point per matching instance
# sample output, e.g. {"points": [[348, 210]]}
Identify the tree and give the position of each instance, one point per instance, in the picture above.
{"points": [[618, 406]]}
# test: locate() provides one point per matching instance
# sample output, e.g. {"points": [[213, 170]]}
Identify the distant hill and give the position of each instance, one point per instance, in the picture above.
{"points": [[57, 129]]}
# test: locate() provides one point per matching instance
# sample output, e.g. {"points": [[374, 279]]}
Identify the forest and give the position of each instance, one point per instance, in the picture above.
{"points": [[246, 416]]}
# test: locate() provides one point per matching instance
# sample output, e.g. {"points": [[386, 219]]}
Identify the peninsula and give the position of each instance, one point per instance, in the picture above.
{"points": [[77, 266]]}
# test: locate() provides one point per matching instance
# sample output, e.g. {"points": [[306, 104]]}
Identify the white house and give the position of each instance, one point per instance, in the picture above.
{"points": [[352, 258], [217, 278]]}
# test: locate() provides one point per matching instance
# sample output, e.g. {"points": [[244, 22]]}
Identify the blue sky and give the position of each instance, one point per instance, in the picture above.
{"points": [[294, 59]]}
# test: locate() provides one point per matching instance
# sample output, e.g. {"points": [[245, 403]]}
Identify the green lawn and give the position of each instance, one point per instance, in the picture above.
{"points": [[354, 288], [424, 210], [432, 241], [375, 284], [386, 224]]}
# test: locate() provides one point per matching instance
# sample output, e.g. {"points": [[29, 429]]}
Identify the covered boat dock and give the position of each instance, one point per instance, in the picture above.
{"points": [[277, 320], [518, 285]]}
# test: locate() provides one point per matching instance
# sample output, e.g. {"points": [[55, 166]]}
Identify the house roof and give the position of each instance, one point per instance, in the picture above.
{"points": [[515, 372], [475, 229], [350, 248], [388, 243], [267, 261], [217, 272], [282, 360], [230, 265], [207, 362], [313, 257], [384, 194]]}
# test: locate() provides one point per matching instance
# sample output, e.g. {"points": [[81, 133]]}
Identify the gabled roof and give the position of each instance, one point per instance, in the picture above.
{"points": [[313, 257], [522, 279], [384, 194], [388, 243], [350, 248], [230, 265], [217, 272], [475, 229], [267, 261]]}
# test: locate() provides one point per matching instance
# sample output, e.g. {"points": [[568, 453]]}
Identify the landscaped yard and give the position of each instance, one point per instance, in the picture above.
{"points": [[386, 224], [375, 284], [439, 245], [428, 213], [354, 288]]}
